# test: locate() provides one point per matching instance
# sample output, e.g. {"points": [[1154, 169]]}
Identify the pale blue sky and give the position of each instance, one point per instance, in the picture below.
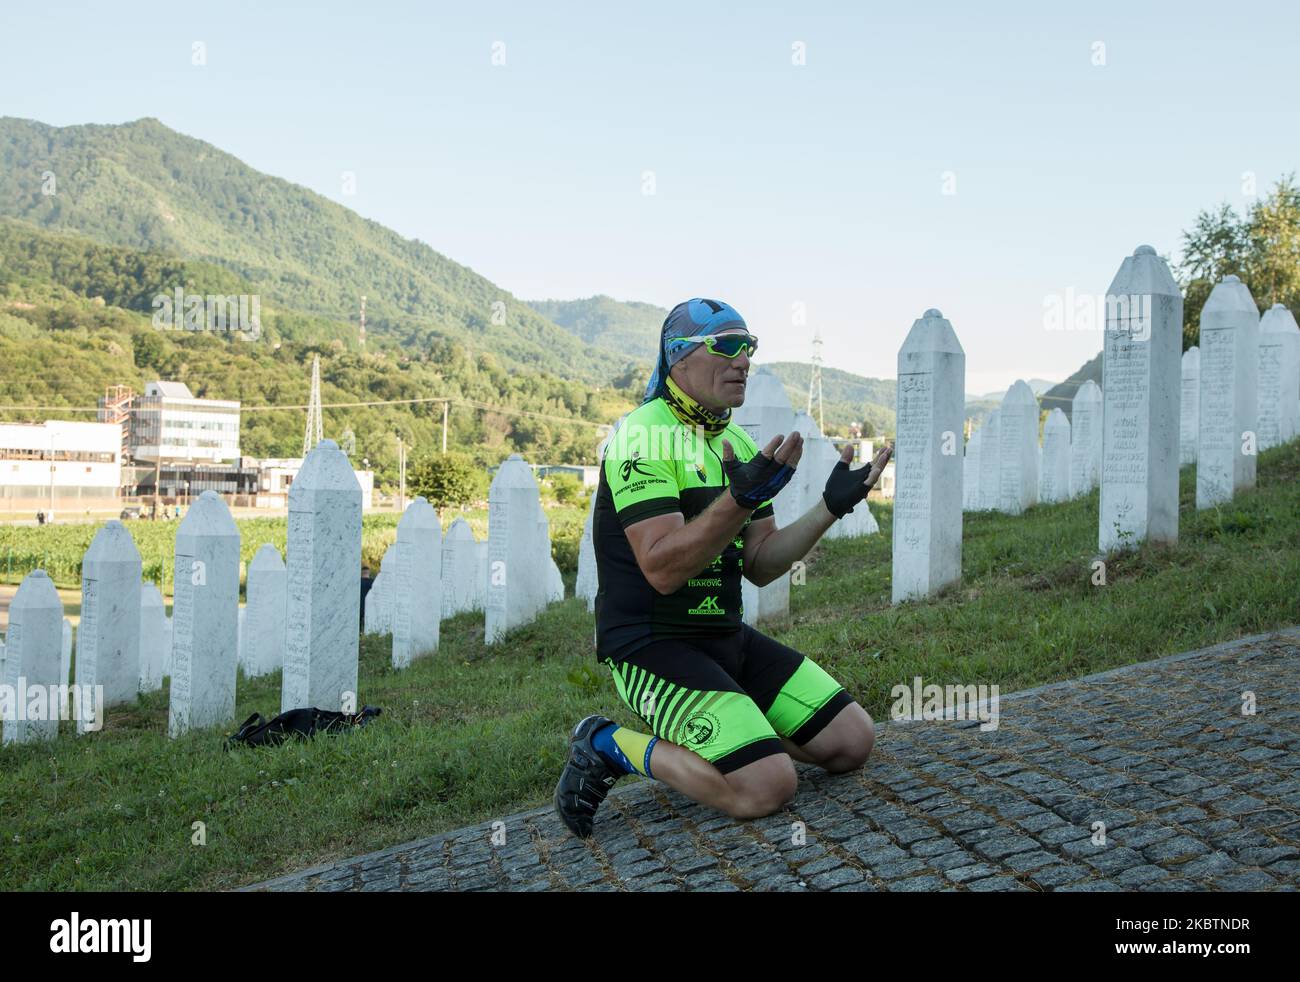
{"points": [[774, 183]]}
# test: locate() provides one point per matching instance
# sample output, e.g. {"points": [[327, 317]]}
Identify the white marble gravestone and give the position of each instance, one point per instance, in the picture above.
{"points": [[554, 578], [65, 652], [991, 462], [108, 639], [418, 600], [265, 613], [205, 617], [461, 574], [856, 523], [1279, 377], [517, 558], [153, 638], [1189, 430], [31, 661], [1018, 448], [241, 654], [1141, 384], [804, 487], [928, 471], [1054, 481], [588, 581], [554, 583], [1085, 438], [374, 612], [481, 580], [387, 589], [970, 473], [765, 413], [1229, 404], [167, 654], [324, 580]]}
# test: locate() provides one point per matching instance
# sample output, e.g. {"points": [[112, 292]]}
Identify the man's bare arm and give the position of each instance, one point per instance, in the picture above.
{"points": [[671, 550], [775, 550], [771, 551]]}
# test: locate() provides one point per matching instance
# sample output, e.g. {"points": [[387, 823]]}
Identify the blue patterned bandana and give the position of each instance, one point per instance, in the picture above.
{"points": [[690, 319]]}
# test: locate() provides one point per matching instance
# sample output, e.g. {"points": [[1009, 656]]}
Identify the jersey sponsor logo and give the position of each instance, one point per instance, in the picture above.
{"points": [[709, 605], [633, 463], [700, 729], [710, 581]]}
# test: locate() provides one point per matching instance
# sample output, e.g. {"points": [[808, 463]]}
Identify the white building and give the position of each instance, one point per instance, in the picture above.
{"points": [[169, 423], [589, 475], [276, 474], [59, 464]]}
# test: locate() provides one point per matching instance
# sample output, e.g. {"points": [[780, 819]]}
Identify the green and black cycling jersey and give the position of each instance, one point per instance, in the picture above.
{"points": [[654, 465]]}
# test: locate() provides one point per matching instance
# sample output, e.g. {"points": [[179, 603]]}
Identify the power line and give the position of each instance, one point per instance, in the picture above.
{"points": [[466, 403]]}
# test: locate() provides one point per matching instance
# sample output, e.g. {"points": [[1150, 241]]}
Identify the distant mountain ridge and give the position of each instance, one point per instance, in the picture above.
{"points": [[145, 186], [626, 326]]}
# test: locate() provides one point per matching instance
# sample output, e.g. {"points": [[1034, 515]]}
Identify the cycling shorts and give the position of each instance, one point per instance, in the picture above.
{"points": [[729, 699]]}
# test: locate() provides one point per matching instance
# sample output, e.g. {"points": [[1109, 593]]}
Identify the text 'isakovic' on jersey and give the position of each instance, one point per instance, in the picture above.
{"points": [[655, 465]]}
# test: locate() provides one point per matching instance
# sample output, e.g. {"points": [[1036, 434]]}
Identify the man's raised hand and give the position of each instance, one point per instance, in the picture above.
{"points": [[847, 486], [766, 473]]}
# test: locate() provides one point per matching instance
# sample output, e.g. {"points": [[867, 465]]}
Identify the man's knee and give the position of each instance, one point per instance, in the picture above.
{"points": [[763, 787], [855, 737]]}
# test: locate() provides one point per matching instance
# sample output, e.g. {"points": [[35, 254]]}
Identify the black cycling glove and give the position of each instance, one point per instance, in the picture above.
{"points": [[845, 488], [756, 480]]}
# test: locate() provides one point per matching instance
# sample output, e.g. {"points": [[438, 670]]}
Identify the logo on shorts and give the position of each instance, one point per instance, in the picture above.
{"points": [[700, 729], [709, 605]]}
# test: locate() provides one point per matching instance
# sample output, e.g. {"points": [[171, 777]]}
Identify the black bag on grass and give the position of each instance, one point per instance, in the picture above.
{"points": [[304, 723]]}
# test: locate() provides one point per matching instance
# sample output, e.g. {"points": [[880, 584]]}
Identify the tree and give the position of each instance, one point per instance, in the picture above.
{"points": [[447, 479], [150, 350], [1273, 259], [1263, 248], [566, 487]]}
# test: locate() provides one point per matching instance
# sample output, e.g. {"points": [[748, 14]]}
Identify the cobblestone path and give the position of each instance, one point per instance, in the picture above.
{"points": [[1192, 794]]}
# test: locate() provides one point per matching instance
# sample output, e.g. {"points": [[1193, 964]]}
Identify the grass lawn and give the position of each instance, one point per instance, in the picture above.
{"points": [[475, 733]]}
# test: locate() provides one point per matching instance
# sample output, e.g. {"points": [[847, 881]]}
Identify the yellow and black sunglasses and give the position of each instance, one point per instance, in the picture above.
{"points": [[726, 345]]}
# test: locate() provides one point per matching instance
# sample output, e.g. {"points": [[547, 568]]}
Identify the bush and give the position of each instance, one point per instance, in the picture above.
{"points": [[567, 488], [447, 479]]}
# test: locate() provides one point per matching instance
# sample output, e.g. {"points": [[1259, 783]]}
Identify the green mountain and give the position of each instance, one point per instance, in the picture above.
{"points": [[1062, 396], [76, 317], [1038, 385], [847, 398], [147, 187], [633, 327], [626, 326]]}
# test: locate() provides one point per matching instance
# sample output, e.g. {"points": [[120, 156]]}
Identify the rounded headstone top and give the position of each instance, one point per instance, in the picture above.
{"points": [[1144, 250], [460, 530], [1278, 319], [933, 312], [419, 514], [1020, 392], [113, 542], [1231, 278], [267, 557], [35, 591], [208, 515]]}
